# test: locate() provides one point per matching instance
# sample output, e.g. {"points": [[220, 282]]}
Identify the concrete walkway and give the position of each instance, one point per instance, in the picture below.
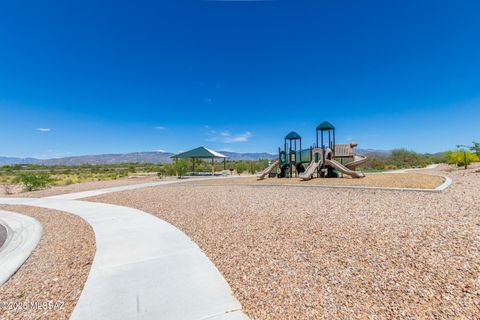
{"points": [[3, 234], [144, 268], [22, 236], [92, 193]]}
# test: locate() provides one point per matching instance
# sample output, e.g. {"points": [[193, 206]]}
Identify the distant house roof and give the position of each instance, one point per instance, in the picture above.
{"points": [[325, 125], [200, 152], [293, 136]]}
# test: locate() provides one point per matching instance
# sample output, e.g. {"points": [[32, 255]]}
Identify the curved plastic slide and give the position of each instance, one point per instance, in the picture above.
{"points": [[267, 170], [343, 169], [357, 161], [308, 173]]}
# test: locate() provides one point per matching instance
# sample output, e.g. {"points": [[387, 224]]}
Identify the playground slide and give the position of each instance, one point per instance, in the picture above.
{"points": [[265, 172], [357, 160], [343, 169], [308, 173]]}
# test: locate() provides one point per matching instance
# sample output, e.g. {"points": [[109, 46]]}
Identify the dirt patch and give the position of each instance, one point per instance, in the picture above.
{"points": [[56, 271]]}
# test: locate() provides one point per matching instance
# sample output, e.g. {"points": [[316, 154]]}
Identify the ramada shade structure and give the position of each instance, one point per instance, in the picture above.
{"points": [[201, 153]]}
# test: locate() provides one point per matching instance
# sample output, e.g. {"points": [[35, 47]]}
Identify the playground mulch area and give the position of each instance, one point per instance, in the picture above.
{"points": [[384, 180], [55, 272], [311, 253]]}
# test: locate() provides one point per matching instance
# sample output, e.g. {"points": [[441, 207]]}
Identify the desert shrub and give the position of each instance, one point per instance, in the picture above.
{"points": [[32, 181], [402, 158], [161, 172], [253, 167], [240, 167], [375, 163]]}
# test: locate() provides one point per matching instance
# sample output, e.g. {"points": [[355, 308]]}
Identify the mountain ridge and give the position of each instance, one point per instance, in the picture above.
{"points": [[146, 157], [113, 158]]}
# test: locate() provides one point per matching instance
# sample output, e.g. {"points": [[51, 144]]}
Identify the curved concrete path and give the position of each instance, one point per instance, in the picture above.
{"points": [[92, 193], [3, 234], [22, 236], [144, 268]]}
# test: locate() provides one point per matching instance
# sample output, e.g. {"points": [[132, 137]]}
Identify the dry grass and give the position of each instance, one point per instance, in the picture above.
{"points": [[386, 180], [57, 269], [292, 253]]}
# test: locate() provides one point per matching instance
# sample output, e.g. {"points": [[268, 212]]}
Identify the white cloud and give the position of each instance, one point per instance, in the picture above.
{"points": [[44, 129], [160, 128], [160, 150], [227, 137]]}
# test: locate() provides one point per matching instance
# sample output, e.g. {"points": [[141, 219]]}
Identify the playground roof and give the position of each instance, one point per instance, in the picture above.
{"points": [[293, 136], [325, 125], [200, 152]]}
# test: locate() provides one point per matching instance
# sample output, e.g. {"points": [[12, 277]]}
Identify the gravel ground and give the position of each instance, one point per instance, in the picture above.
{"points": [[3, 235], [387, 180], [85, 186], [57, 269], [334, 254]]}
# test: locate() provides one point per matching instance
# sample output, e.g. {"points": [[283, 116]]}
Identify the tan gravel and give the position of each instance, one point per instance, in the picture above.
{"points": [[84, 186], [55, 272], [386, 180], [292, 253]]}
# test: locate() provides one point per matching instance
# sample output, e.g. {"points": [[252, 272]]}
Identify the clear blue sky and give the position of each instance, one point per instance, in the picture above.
{"points": [[88, 77]]}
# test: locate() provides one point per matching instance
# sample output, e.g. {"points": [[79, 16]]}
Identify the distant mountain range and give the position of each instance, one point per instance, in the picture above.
{"points": [[138, 157], [148, 157]]}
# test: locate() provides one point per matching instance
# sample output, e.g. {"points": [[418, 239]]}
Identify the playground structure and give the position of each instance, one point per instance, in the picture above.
{"points": [[324, 160]]}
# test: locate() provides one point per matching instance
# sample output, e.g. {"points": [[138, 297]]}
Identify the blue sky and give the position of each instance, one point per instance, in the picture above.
{"points": [[88, 77]]}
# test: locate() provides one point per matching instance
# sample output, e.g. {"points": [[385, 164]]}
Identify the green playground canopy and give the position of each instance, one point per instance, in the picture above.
{"points": [[293, 136], [325, 125]]}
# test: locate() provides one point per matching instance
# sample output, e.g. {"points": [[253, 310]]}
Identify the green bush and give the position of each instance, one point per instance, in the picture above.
{"points": [[181, 167], [253, 167], [240, 167], [375, 164], [32, 181], [402, 158], [162, 172]]}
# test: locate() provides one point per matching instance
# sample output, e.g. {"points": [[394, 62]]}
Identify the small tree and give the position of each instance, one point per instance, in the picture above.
{"points": [[31, 181], [240, 167], [461, 158], [181, 167]]}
